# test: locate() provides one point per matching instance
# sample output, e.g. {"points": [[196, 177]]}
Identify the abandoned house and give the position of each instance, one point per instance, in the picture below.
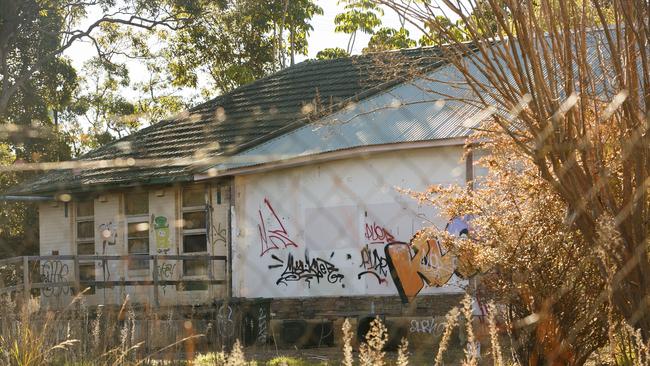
{"points": [[288, 189]]}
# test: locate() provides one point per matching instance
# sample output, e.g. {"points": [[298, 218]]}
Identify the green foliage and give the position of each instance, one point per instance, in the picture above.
{"points": [[331, 53], [209, 359], [239, 41], [433, 37], [100, 105], [15, 217], [34, 34], [292, 361], [359, 16], [389, 39]]}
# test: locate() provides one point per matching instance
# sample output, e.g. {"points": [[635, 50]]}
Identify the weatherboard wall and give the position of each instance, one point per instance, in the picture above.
{"points": [[322, 229], [164, 217]]}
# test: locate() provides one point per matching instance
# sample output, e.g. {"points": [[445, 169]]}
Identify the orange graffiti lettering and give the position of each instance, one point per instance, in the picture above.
{"points": [[423, 261]]}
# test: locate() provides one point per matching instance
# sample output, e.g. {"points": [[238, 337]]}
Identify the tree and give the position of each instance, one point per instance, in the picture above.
{"points": [[236, 42], [34, 34], [296, 21], [158, 98], [100, 105], [582, 123], [386, 39], [431, 38], [331, 53], [359, 16], [15, 217]]}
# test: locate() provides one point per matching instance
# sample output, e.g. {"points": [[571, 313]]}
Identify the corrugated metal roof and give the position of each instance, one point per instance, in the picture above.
{"points": [[409, 112]]}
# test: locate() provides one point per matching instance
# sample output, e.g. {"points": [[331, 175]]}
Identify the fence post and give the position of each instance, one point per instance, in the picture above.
{"points": [[27, 286], [77, 277], [156, 300]]}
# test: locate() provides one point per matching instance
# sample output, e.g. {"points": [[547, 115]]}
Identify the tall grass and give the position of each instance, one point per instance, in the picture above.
{"points": [[77, 336], [31, 335]]}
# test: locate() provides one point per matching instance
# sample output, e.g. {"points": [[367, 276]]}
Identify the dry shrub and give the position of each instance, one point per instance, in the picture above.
{"points": [[566, 85], [497, 355], [403, 353], [531, 258], [348, 359], [236, 356], [371, 352]]}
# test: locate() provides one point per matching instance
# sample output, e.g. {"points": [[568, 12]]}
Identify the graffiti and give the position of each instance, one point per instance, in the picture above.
{"points": [[225, 324], [424, 261], [427, 326], [109, 234], [275, 236], [376, 234], [373, 264], [459, 227], [165, 272], [298, 270], [54, 272], [106, 271], [262, 333], [221, 234], [412, 265], [373, 261], [161, 233]]}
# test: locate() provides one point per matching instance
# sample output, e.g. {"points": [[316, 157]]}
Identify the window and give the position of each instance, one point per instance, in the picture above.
{"points": [[87, 273], [194, 229], [85, 227], [137, 222]]}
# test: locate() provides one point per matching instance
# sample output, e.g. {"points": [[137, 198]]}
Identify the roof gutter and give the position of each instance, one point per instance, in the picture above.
{"points": [[27, 198], [331, 156], [121, 185]]}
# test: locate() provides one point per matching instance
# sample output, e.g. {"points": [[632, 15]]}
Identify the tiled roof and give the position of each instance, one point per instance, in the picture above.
{"points": [[175, 148]]}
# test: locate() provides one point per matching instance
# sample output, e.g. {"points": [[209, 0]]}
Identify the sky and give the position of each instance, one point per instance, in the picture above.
{"points": [[323, 36]]}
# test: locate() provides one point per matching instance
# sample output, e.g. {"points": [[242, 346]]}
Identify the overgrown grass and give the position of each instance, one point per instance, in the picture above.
{"points": [[58, 339]]}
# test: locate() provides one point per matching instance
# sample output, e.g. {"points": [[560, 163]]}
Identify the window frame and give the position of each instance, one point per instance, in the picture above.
{"points": [[81, 219], [192, 232], [138, 218]]}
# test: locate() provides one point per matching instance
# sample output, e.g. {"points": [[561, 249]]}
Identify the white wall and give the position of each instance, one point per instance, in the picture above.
{"points": [[322, 211], [55, 228], [55, 235]]}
